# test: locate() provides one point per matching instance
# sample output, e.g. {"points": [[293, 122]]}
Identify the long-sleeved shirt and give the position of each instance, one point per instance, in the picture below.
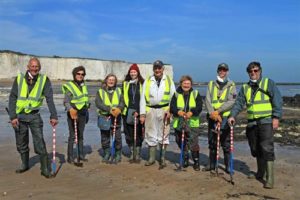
{"points": [[47, 92], [226, 106], [275, 99], [196, 111], [156, 92]]}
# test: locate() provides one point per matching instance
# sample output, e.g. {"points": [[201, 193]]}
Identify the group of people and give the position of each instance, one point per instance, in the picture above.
{"points": [[147, 108]]}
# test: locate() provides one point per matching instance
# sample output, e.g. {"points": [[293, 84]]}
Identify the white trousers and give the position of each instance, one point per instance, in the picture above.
{"points": [[155, 127]]}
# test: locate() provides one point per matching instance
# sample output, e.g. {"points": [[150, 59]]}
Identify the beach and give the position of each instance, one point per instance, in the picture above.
{"points": [[97, 180]]}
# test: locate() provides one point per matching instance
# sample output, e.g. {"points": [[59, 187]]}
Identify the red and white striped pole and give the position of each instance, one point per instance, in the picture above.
{"points": [[53, 150]]}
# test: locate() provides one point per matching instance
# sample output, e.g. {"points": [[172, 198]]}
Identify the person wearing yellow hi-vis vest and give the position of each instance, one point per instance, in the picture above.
{"points": [[186, 106], [132, 90], [220, 97], [264, 109], [25, 100], [110, 103], [76, 102], [158, 90]]}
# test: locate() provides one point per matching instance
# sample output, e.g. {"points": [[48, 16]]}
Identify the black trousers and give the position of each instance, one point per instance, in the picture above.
{"points": [[261, 141], [33, 122], [129, 133], [224, 137], [81, 120]]}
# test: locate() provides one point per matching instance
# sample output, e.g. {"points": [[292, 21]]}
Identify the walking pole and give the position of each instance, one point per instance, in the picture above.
{"points": [[218, 148], [113, 139], [231, 155], [78, 163], [162, 142], [182, 145], [134, 139], [53, 151]]}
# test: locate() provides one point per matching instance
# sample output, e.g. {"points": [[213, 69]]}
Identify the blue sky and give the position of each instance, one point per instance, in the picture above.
{"points": [[192, 35]]}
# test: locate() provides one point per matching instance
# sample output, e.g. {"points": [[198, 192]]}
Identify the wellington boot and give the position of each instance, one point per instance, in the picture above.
{"points": [[261, 168], [269, 184], [195, 155], [25, 163], [162, 161], [118, 156], [226, 162], [211, 162], [186, 159], [106, 155], [81, 154], [152, 155], [138, 153], [70, 158], [45, 166], [131, 153]]}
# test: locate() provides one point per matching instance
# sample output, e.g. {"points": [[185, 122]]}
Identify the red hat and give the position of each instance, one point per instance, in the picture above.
{"points": [[135, 67]]}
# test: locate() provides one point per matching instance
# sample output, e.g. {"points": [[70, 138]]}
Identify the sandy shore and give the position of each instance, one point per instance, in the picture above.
{"points": [[102, 181], [135, 181]]}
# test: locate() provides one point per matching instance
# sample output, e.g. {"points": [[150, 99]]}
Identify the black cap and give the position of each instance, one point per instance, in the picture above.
{"points": [[158, 63], [223, 65]]}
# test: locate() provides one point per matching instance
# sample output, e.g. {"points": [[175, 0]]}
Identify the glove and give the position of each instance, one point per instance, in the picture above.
{"points": [[214, 115], [115, 112], [73, 113], [181, 113], [189, 114]]}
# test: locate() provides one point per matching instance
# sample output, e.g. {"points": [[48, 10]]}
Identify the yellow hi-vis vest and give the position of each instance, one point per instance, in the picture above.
{"points": [[166, 97], [194, 121], [79, 98], [105, 98], [260, 104], [126, 85], [26, 101], [218, 102]]}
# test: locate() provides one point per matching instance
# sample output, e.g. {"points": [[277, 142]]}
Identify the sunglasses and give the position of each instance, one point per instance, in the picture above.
{"points": [[223, 69], [253, 70], [80, 74]]}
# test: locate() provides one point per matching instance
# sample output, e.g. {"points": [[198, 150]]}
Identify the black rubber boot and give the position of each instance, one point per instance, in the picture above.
{"points": [[211, 161], [186, 159], [25, 163], [45, 166], [70, 158], [226, 162], [81, 154], [195, 155], [261, 170]]}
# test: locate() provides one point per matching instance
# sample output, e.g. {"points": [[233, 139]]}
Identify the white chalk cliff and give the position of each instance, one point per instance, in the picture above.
{"points": [[60, 68]]}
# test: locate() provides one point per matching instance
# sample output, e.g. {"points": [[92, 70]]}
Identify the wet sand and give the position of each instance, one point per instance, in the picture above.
{"points": [[135, 181]]}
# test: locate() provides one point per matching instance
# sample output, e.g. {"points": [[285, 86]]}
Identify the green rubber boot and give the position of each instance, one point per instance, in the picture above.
{"points": [[25, 163], [270, 175], [152, 154]]}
